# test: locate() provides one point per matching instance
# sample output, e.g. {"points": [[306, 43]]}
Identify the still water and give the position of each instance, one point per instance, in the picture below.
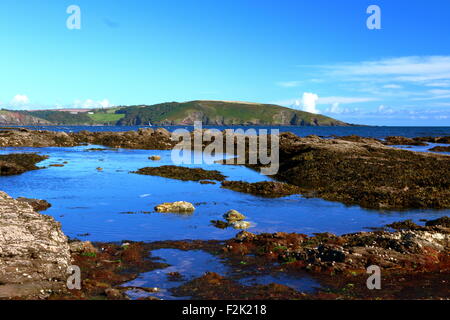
{"points": [[114, 204]]}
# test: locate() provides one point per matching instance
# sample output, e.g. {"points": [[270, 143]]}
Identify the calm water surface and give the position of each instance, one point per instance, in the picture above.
{"points": [[114, 204]]}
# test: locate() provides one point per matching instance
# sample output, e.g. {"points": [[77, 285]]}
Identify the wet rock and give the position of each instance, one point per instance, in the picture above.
{"points": [[115, 294], [37, 205], [268, 189], [182, 173], [82, 247], [404, 225], [18, 163], [233, 215], [403, 141], [240, 224], [444, 222], [220, 224], [154, 158], [207, 182], [355, 138], [175, 207], [440, 149], [175, 276], [34, 253], [212, 286], [245, 235], [368, 174], [444, 140]]}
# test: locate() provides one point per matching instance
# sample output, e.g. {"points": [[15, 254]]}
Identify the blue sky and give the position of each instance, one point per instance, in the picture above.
{"points": [[312, 55]]}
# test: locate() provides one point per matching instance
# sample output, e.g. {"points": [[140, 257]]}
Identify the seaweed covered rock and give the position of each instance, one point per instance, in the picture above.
{"points": [[368, 174], [182, 173], [403, 141], [413, 249], [18, 163], [440, 149], [269, 189], [34, 253]]}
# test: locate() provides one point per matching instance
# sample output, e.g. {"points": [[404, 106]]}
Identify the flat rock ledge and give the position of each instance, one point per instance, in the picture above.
{"points": [[34, 252]]}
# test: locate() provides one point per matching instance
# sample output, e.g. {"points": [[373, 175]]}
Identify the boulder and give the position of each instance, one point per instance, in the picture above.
{"points": [[175, 207], [241, 224], [34, 253], [233, 215]]}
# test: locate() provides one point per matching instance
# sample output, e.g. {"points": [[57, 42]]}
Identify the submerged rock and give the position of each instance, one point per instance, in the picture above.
{"points": [[34, 253], [175, 207]]}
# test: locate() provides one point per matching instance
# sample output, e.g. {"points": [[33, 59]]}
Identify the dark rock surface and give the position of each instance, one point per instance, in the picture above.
{"points": [[182, 173], [18, 163]]}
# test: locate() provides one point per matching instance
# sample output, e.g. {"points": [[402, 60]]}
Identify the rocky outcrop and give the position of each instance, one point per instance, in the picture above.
{"points": [[182, 173], [149, 139], [366, 173], [34, 253], [18, 163]]}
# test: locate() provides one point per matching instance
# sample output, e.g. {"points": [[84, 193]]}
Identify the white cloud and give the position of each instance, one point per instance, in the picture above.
{"points": [[385, 110], [309, 101], [345, 100], [414, 68], [20, 99], [92, 104], [439, 84], [289, 84], [392, 86]]}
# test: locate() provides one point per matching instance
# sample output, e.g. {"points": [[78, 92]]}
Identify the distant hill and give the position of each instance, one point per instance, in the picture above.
{"points": [[221, 113], [185, 113], [19, 118]]}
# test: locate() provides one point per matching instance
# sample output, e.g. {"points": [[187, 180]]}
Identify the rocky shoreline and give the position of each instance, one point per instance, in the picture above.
{"points": [[35, 254]]}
